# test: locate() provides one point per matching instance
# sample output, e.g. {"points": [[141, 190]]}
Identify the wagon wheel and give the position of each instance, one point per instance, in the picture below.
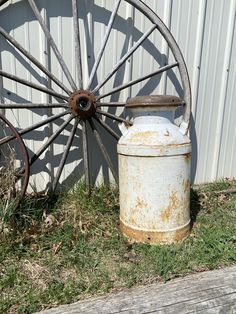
{"points": [[82, 99], [14, 169]]}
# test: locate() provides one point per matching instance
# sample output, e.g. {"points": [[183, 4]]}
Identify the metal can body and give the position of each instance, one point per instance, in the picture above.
{"points": [[154, 172]]}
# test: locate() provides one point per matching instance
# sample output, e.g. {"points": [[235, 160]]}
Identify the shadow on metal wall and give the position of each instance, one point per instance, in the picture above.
{"points": [[125, 26]]}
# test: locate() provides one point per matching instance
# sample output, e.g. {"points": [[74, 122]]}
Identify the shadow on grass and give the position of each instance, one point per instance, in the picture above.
{"points": [[195, 206], [31, 210], [35, 207]]}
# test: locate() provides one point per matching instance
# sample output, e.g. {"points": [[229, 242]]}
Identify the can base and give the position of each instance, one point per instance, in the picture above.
{"points": [[155, 237]]}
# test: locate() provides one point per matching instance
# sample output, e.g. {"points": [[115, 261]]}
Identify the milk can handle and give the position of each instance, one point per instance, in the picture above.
{"points": [[185, 123], [164, 100]]}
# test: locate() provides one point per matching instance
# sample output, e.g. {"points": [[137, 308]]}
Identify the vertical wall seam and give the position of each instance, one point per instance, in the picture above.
{"points": [[198, 55], [222, 100], [200, 113]]}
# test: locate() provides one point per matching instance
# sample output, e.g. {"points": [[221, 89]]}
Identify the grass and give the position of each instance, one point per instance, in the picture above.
{"points": [[8, 188], [76, 250]]}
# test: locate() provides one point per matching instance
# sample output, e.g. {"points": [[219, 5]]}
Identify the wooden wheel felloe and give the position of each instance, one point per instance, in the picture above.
{"points": [[81, 98]]}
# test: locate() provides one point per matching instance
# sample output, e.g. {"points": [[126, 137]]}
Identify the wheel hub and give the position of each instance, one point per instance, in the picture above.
{"points": [[83, 104]]}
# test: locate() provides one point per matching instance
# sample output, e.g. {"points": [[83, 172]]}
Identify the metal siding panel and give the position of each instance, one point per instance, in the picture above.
{"points": [[225, 79], [227, 157], [212, 87]]}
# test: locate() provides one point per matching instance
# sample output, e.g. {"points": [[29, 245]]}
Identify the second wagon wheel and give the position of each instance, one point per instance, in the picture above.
{"points": [[75, 63], [14, 170]]}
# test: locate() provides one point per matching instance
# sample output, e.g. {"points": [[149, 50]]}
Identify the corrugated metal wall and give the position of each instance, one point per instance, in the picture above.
{"points": [[205, 32]]}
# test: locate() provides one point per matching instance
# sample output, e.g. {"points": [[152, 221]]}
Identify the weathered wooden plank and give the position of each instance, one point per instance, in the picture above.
{"points": [[208, 292]]}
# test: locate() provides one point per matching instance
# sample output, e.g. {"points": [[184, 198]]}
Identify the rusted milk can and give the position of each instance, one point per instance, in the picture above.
{"points": [[154, 173]]}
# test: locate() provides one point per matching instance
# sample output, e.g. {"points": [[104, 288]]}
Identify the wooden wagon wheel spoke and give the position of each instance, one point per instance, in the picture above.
{"points": [[35, 126], [50, 140], [18, 46], [124, 58], [78, 60], [64, 156], [145, 77], [114, 117], [103, 149], [86, 155], [33, 106], [83, 106], [33, 85], [52, 44], [104, 42], [107, 128]]}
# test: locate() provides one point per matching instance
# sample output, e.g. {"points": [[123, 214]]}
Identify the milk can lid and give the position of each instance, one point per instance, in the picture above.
{"points": [[154, 101]]}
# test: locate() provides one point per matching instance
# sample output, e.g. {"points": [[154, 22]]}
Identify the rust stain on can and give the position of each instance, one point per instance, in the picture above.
{"points": [[154, 182], [140, 205], [155, 237], [179, 217], [169, 211], [142, 136], [186, 185], [186, 158]]}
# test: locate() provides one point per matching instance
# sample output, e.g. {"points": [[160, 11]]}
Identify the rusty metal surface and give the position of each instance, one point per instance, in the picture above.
{"points": [[154, 237], [154, 100], [154, 174], [83, 103], [152, 134], [154, 193], [22, 173]]}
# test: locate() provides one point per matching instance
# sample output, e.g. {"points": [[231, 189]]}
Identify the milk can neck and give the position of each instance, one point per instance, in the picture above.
{"points": [[153, 115]]}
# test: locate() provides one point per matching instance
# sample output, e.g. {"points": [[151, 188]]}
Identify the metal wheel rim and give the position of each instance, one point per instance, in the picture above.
{"points": [[25, 158]]}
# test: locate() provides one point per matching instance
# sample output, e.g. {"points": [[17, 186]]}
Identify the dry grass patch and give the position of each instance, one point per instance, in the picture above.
{"points": [[39, 275]]}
